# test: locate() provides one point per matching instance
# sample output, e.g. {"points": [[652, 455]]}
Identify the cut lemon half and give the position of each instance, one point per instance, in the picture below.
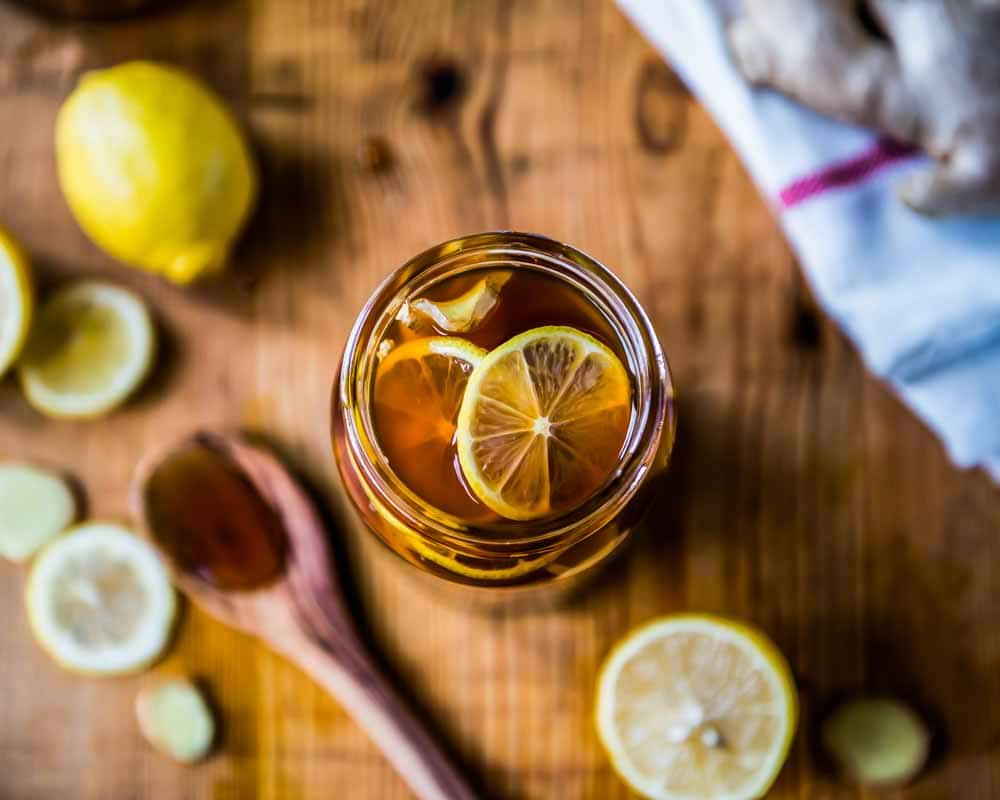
{"points": [[465, 312], [543, 422], [16, 300], [418, 390], [692, 706], [100, 601], [90, 348]]}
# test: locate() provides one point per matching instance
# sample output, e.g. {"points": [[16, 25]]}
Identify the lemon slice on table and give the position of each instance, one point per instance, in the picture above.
{"points": [[35, 506], [100, 601], [543, 422], [91, 347], [695, 706], [16, 300]]}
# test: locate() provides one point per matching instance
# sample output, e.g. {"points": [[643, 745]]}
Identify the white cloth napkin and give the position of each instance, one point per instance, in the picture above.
{"points": [[919, 297]]}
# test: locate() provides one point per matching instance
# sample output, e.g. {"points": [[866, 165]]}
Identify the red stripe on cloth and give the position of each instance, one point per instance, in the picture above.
{"points": [[846, 173]]}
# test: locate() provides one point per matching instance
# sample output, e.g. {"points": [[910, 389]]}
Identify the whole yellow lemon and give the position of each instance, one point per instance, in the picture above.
{"points": [[154, 168]]}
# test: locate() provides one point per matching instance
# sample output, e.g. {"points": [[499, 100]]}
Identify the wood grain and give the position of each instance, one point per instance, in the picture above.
{"points": [[802, 496]]}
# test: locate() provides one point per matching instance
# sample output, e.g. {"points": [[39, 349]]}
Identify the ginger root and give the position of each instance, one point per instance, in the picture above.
{"points": [[925, 72], [35, 506], [877, 741], [175, 719]]}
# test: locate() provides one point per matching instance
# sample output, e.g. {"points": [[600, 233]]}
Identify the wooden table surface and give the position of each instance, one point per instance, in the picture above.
{"points": [[802, 496]]}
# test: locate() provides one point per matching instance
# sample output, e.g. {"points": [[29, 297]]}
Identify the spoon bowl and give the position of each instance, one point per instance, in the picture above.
{"points": [[301, 612]]}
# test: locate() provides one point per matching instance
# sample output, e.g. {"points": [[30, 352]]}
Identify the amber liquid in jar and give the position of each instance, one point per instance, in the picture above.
{"points": [[397, 446], [397, 442], [526, 300]]}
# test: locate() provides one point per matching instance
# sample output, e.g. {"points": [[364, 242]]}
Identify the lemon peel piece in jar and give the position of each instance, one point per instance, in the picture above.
{"points": [[461, 314]]}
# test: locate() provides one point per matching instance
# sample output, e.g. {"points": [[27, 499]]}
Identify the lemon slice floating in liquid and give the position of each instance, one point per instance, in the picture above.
{"points": [[418, 390], [543, 422]]}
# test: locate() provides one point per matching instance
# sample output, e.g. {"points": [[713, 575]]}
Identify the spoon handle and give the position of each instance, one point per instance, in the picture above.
{"points": [[350, 677]]}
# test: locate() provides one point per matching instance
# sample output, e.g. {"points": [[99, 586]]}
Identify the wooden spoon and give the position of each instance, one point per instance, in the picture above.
{"points": [[302, 614]]}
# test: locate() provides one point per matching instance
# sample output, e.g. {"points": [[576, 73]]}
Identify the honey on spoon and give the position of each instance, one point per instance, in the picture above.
{"points": [[248, 546], [208, 518]]}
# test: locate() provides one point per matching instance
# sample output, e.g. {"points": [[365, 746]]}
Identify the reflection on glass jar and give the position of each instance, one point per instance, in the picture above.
{"points": [[557, 494]]}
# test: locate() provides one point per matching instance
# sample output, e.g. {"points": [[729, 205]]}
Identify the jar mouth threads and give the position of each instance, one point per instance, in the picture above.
{"points": [[652, 421]]}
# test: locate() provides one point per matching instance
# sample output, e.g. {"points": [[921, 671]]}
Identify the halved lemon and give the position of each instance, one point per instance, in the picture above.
{"points": [[100, 601], [16, 300], [543, 422], [90, 348], [418, 390], [696, 706]]}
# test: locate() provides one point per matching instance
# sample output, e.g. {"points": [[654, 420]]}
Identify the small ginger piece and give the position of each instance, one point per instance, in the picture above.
{"points": [[176, 720], [877, 741], [925, 72], [35, 506]]}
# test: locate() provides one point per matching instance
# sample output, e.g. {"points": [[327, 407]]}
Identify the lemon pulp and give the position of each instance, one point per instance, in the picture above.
{"points": [[91, 347], [418, 390], [543, 422], [696, 706]]}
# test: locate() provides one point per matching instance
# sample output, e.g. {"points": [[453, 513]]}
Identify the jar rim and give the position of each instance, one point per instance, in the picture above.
{"points": [[652, 418]]}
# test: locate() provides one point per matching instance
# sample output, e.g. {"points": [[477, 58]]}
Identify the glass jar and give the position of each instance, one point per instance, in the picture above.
{"points": [[504, 556]]}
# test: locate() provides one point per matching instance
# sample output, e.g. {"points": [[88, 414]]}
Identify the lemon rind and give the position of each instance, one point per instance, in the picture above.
{"points": [[449, 346], [15, 277]]}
